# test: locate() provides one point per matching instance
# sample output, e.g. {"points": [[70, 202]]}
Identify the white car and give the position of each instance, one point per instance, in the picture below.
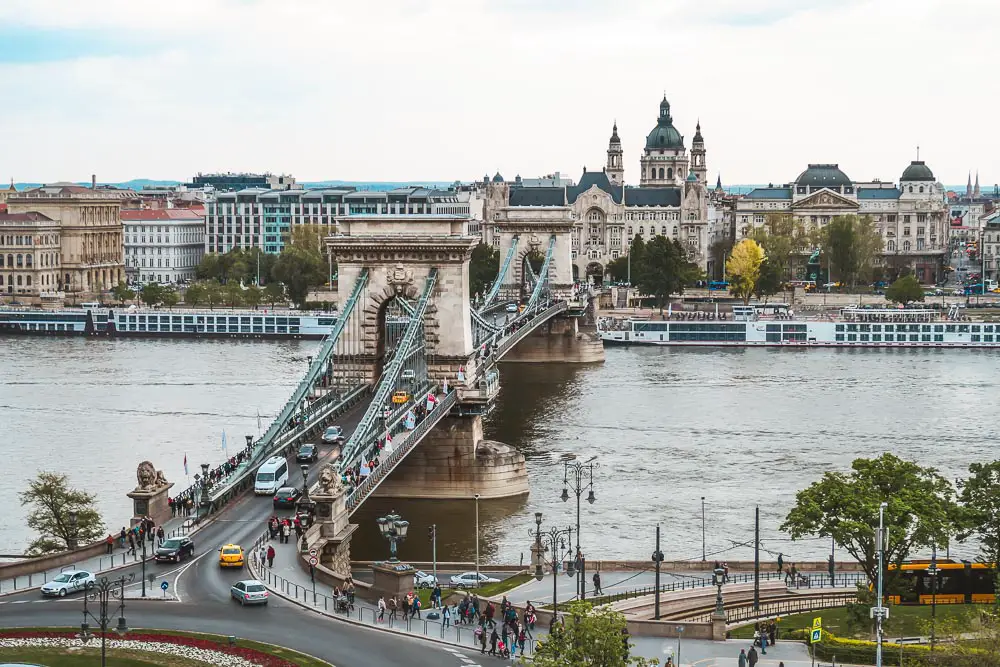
{"points": [[468, 580], [511, 307], [423, 580], [69, 582], [249, 591]]}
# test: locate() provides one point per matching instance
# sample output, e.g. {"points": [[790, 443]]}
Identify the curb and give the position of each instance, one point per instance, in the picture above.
{"points": [[359, 624]]}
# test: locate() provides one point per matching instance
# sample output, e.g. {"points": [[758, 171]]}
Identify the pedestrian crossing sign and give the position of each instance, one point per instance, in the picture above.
{"points": [[818, 622], [817, 634]]}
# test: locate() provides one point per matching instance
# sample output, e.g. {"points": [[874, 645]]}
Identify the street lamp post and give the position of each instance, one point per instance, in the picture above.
{"points": [[718, 578], [105, 593], [879, 611], [703, 529], [71, 541], [579, 477], [933, 572], [476, 497], [657, 558], [554, 539], [394, 529]]}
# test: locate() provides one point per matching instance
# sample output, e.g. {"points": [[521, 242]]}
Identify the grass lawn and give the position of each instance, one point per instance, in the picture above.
{"points": [[489, 590], [91, 657], [300, 659], [904, 620]]}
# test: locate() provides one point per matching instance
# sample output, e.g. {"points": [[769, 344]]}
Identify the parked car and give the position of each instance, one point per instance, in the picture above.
{"points": [[333, 435], [423, 580], [286, 497], [469, 580], [307, 454], [511, 307], [69, 582], [175, 549], [231, 555], [249, 591]]}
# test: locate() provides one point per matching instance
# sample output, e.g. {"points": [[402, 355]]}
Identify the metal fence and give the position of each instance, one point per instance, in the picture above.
{"points": [[744, 612]]}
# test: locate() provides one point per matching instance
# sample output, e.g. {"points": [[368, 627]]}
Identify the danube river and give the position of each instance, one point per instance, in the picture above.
{"points": [[668, 426]]}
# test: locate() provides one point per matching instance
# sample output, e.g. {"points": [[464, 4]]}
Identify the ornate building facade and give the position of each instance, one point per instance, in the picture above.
{"points": [[29, 254], [911, 217], [671, 200]]}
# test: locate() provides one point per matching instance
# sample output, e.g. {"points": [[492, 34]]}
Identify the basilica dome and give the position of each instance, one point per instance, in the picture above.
{"points": [[664, 135], [917, 171]]}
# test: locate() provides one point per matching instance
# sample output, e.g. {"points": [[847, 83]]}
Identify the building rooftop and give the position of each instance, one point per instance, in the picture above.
{"points": [[538, 197], [143, 215], [878, 193], [823, 176], [770, 193], [30, 216], [652, 197]]}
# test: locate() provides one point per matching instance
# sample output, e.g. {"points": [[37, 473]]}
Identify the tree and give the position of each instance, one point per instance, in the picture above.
{"points": [[979, 496], [782, 237], [213, 293], [52, 500], [920, 511], [617, 270], [233, 294], [769, 281], [273, 293], [853, 244], [122, 293], [169, 297], [718, 251], [151, 294], [484, 267], [300, 270], [665, 270], [195, 294], [590, 637], [905, 290], [252, 296], [743, 269]]}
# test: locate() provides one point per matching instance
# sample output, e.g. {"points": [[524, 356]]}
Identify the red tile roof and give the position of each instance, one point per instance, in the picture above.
{"points": [[153, 214], [30, 216]]}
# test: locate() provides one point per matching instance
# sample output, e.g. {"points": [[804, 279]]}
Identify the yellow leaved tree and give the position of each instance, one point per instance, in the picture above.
{"points": [[743, 269]]}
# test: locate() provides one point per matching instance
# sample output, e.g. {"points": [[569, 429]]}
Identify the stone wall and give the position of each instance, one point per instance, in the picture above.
{"points": [[559, 340], [453, 461]]}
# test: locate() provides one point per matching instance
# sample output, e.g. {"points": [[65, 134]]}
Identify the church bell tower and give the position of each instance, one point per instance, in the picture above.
{"points": [[615, 168]]}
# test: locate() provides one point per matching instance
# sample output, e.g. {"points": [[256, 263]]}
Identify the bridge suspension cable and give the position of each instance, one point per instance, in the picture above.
{"points": [[494, 290]]}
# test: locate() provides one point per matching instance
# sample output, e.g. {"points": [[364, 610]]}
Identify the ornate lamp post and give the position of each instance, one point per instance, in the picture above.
{"points": [[394, 529], [106, 594], [657, 559], [579, 477], [718, 577], [205, 484], [554, 539], [71, 541]]}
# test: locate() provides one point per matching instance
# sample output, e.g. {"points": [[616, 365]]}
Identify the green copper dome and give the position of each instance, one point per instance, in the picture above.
{"points": [[917, 171], [823, 176], [664, 135]]}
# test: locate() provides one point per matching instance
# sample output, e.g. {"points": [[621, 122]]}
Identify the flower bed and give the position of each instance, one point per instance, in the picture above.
{"points": [[194, 648]]}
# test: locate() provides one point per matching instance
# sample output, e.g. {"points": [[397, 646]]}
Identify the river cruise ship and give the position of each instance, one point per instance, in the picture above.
{"points": [[777, 325], [124, 322]]}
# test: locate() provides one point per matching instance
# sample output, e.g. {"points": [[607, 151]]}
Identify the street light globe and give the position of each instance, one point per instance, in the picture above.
{"points": [[401, 529], [591, 498], [565, 494]]}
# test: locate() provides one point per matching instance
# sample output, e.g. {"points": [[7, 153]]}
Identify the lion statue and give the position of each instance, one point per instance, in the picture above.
{"points": [[329, 480], [149, 477]]}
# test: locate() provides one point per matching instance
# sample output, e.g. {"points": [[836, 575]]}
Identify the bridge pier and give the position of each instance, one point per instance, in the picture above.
{"points": [[453, 461], [560, 340]]}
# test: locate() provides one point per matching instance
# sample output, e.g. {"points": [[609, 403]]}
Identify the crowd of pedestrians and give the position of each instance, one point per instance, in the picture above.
{"points": [[132, 539]]}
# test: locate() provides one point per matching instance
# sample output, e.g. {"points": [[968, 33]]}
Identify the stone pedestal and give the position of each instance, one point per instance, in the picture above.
{"points": [[392, 579], [331, 532], [151, 503], [718, 626]]}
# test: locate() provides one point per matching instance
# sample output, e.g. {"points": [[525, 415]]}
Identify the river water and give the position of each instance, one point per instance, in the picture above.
{"points": [[667, 425]]}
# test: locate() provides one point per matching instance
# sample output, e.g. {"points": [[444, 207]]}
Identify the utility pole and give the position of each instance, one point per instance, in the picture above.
{"points": [[703, 529], [657, 558], [434, 550], [933, 571], [879, 610], [756, 559]]}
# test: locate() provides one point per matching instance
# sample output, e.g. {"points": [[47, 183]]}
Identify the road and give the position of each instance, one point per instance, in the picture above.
{"points": [[203, 602]]}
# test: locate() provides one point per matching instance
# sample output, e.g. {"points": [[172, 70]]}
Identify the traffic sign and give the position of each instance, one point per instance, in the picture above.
{"points": [[312, 560], [817, 634], [164, 586], [818, 622], [312, 552]]}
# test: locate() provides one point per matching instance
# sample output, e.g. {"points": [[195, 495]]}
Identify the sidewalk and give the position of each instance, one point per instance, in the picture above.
{"points": [[96, 564]]}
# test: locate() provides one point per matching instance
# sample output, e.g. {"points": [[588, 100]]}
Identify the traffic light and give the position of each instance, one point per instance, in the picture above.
{"points": [[431, 532]]}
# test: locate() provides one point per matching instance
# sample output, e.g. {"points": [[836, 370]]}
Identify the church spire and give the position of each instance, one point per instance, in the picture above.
{"points": [[968, 186], [976, 192]]}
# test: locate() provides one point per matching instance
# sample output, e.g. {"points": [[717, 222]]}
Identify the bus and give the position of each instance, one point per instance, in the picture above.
{"points": [[959, 582], [718, 285]]}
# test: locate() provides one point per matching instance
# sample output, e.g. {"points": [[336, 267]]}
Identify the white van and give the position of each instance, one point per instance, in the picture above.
{"points": [[271, 476], [90, 305]]}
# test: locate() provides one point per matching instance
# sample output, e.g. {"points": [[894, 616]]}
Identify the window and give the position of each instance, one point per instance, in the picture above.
{"points": [[906, 231], [670, 173], [661, 173], [906, 246]]}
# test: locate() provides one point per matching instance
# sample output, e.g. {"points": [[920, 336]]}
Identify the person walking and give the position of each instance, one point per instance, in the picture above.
{"points": [[270, 555], [752, 657], [131, 544], [381, 609], [597, 584], [742, 660], [781, 563], [494, 638], [160, 536], [262, 555], [392, 609], [407, 601], [446, 616], [481, 633], [110, 542], [763, 641], [121, 536], [415, 607]]}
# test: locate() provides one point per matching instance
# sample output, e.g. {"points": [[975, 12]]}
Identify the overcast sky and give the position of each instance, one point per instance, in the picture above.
{"points": [[443, 90]]}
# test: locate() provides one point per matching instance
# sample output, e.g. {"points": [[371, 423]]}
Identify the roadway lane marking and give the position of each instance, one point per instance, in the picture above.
{"points": [[23, 601], [177, 581]]}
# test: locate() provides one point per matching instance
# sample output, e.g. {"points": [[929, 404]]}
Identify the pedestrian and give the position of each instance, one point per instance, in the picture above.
{"points": [[781, 562], [270, 555], [752, 657], [111, 543], [446, 616], [522, 636], [407, 601], [262, 555], [381, 609], [122, 537], [480, 633], [416, 608], [160, 536], [597, 584], [392, 609], [742, 661], [436, 596], [494, 638], [763, 642], [286, 531], [131, 544]]}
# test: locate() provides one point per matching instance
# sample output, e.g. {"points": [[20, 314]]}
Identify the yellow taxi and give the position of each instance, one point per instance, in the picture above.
{"points": [[231, 555], [400, 397]]}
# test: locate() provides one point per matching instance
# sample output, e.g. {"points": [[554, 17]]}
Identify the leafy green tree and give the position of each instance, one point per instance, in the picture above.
{"points": [[195, 294], [151, 294], [121, 293], [213, 293], [299, 270], [743, 269], [853, 243], [233, 294], [905, 290], [783, 237], [51, 501], [979, 495], [769, 280], [169, 297], [252, 296], [617, 270], [595, 637], [210, 267], [665, 270], [921, 510], [483, 269], [638, 252], [273, 293]]}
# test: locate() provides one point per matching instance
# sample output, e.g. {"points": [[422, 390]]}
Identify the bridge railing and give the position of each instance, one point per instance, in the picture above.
{"points": [[527, 325]]}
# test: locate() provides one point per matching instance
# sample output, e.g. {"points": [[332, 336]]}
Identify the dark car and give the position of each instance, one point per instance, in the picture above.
{"points": [[175, 549], [286, 496], [307, 454], [333, 435]]}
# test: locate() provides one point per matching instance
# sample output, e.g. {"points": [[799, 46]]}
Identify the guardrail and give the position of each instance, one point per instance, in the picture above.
{"points": [[526, 329], [765, 609]]}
